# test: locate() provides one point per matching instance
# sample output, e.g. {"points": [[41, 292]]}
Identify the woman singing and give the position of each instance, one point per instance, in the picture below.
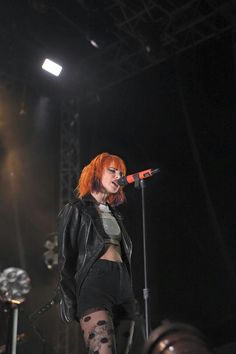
{"points": [[94, 259]]}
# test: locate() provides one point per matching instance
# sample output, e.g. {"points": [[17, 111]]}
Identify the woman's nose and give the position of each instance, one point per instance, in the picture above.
{"points": [[117, 174]]}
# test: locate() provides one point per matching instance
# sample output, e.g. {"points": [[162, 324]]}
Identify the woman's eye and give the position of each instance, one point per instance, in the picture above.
{"points": [[113, 170]]}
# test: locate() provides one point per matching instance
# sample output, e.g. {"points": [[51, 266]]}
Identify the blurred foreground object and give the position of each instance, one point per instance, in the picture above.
{"points": [[14, 285], [176, 338], [50, 256]]}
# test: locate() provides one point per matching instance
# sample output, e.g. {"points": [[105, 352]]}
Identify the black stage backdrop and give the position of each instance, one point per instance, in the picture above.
{"points": [[178, 117]]}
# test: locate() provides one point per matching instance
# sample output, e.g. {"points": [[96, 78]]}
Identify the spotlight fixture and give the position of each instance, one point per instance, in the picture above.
{"points": [[52, 67], [14, 285]]}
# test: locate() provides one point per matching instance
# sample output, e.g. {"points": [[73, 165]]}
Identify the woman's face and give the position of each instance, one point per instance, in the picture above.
{"points": [[109, 179]]}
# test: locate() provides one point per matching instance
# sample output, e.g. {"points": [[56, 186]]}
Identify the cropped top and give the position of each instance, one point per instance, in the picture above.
{"points": [[110, 225]]}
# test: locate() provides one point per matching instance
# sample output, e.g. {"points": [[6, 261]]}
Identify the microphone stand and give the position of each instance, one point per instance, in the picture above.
{"points": [[138, 179], [140, 183], [12, 328]]}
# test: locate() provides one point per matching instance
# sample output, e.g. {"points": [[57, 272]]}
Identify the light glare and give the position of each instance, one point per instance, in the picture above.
{"points": [[51, 67], [94, 44]]}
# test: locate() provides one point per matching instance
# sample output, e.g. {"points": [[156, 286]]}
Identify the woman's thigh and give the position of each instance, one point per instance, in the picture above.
{"points": [[98, 331]]}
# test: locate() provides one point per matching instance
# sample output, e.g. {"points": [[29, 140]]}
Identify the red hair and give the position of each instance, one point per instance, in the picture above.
{"points": [[90, 178]]}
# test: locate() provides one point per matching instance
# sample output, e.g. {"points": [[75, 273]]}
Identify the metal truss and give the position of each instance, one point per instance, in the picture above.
{"points": [[67, 336], [148, 32], [69, 150]]}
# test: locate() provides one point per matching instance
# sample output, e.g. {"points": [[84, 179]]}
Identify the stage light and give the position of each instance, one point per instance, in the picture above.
{"points": [[52, 67], [94, 43], [14, 285]]}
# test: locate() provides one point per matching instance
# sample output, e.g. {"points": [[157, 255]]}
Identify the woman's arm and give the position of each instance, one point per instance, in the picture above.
{"points": [[68, 226]]}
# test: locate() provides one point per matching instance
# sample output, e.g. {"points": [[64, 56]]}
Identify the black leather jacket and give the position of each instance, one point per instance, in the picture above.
{"points": [[81, 243]]}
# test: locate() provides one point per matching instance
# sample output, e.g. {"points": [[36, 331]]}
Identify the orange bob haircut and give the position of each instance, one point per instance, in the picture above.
{"points": [[90, 178]]}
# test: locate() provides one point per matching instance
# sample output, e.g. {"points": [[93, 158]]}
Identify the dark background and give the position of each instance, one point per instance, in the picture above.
{"points": [[178, 116]]}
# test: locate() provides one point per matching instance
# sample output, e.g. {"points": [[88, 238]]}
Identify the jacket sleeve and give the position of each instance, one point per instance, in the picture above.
{"points": [[68, 227]]}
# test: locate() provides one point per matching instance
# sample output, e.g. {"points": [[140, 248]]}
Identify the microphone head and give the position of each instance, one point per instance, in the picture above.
{"points": [[122, 181], [155, 171]]}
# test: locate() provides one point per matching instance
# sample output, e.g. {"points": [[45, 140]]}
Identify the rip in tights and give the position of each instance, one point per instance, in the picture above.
{"points": [[98, 332]]}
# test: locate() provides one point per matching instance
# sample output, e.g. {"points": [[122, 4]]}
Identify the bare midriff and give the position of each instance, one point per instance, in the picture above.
{"points": [[112, 253]]}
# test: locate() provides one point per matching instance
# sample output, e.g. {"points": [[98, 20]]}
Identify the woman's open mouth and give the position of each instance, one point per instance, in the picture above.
{"points": [[115, 183]]}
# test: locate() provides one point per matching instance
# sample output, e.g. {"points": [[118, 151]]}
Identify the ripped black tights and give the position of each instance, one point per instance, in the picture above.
{"points": [[100, 335]]}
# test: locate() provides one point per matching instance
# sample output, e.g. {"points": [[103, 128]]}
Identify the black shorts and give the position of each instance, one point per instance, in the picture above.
{"points": [[107, 286]]}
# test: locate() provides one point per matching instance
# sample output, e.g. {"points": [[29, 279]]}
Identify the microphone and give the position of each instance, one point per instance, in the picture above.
{"points": [[125, 180]]}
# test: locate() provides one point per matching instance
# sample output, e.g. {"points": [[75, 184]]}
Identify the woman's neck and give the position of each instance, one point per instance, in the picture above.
{"points": [[100, 197]]}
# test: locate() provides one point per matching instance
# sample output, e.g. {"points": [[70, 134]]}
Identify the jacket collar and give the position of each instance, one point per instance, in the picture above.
{"points": [[90, 209], [89, 201]]}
